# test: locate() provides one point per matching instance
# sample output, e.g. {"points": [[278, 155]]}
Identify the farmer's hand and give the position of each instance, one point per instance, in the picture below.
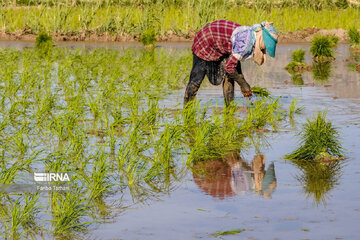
{"points": [[244, 86], [247, 93]]}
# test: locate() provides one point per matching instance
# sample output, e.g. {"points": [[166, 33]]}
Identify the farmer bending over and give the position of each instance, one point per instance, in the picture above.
{"points": [[217, 49]]}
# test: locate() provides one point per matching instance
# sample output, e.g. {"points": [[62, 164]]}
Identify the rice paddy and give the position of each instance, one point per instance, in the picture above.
{"points": [[114, 120], [96, 114]]}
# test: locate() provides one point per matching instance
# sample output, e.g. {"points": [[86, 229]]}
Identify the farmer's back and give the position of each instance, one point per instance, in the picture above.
{"points": [[213, 40]]}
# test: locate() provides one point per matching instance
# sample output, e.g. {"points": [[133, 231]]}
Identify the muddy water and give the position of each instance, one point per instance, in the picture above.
{"points": [[280, 207], [258, 192]]}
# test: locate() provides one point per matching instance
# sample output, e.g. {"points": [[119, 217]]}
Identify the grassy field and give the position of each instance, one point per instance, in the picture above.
{"points": [[181, 18]]}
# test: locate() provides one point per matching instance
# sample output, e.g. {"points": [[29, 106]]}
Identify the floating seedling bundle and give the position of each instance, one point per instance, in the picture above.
{"points": [[260, 91], [321, 48], [148, 38], [297, 64], [354, 37], [44, 43], [319, 141]]}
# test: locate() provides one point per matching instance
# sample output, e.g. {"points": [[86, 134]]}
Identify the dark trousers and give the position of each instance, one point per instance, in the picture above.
{"points": [[216, 74]]}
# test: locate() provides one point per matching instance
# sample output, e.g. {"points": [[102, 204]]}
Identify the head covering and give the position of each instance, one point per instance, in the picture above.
{"points": [[259, 51], [252, 41], [243, 41], [270, 36]]}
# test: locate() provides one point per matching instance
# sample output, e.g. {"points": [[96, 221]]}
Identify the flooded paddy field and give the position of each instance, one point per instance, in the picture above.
{"points": [[143, 168]]}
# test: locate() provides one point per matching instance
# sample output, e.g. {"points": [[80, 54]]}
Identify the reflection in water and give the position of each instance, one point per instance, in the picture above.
{"points": [[353, 63], [355, 54], [227, 177], [321, 71], [318, 178], [297, 79]]}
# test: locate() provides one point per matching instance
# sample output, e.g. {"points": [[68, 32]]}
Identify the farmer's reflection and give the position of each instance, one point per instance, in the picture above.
{"points": [[227, 177]]}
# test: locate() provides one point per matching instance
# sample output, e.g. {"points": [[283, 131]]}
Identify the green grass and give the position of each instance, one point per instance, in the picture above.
{"points": [[182, 20]]}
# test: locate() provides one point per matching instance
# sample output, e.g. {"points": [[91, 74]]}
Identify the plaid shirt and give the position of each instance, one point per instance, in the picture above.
{"points": [[213, 41]]}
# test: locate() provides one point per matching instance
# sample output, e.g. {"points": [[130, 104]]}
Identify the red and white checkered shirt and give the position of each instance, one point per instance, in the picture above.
{"points": [[213, 41]]}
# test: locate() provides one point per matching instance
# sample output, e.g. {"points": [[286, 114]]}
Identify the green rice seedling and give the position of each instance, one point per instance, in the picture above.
{"points": [[321, 71], [262, 92], [77, 146], [19, 143], [321, 48], [202, 146], [200, 130], [190, 112], [334, 40], [98, 183], [165, 149], [21, 219], [297, 62], [149, 117], [229, 232], [148, 37], [133, 175], [8, 173], [64, 125], [58, 161], [263, 113], [215, 137], [298, 56], [69, 212], [44, 109], [354, 36], [44, 43], [294, 108], [43, 40], [118, 117], [95, 107], [319, 140]]}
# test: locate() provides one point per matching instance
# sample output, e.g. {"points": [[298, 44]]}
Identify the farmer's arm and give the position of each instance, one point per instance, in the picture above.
{"points": [[233, 68]]}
